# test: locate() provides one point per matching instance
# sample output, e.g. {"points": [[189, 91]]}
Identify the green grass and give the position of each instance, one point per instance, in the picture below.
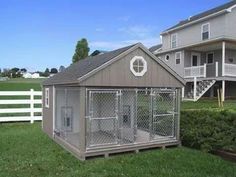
{"points": [[21, 84], [26, 151], [207, 104]]}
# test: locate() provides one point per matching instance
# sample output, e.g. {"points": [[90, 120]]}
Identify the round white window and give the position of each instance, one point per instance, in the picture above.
{"points": [[138, 66]]}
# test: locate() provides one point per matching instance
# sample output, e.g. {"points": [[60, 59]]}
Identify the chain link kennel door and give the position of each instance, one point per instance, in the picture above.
{"points": [[164, 114], [103, 117]]}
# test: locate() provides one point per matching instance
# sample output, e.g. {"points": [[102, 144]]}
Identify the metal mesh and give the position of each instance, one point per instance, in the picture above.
{"points": [[126, 116], [67, 115]]}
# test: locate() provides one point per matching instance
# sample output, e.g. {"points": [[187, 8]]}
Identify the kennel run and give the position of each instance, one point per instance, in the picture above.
{"points": [[124, 100]]}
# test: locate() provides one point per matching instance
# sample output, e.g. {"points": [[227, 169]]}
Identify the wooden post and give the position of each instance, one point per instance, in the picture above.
{"points": [[223, 91], [205, 70], [31, 106], [195, 89], [82, 121], [218, 96], [183, 91], [217, 69], [223, 58]]}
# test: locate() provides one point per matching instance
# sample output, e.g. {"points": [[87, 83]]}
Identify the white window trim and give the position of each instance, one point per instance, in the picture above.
{"points": [[166, 56], [144, 66], [209, 31], [46, 97], [207, 58], [180, 55], [171, 41]]}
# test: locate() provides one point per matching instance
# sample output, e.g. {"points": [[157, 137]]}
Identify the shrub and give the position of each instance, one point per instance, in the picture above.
{"points": [[209, 129]]}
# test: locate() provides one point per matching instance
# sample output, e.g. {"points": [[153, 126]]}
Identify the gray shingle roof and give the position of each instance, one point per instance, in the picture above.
{"points": [[155, 47], [82, 67], [204, 14]]}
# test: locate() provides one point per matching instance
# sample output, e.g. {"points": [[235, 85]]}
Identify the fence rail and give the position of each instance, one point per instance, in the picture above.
{"points": [[195, 71], [28, 113], [230, 69]]}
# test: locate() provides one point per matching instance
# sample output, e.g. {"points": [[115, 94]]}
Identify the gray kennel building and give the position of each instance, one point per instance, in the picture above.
{"points": [[123, 100]]}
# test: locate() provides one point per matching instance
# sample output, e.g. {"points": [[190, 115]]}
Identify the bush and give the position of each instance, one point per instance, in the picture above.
{"points": [[209, 129]]}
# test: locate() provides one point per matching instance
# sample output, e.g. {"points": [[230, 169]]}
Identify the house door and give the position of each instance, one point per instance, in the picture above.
{"points": [[195, 59], [103, 117]]}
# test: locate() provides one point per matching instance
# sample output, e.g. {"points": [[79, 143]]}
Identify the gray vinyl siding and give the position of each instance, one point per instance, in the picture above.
{"points": [[119, 74], [192, 34], [231, 24], [178, 68], [48, 112]]}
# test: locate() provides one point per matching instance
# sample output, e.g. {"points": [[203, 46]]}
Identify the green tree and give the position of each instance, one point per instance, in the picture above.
{"points": [[81, 50]]}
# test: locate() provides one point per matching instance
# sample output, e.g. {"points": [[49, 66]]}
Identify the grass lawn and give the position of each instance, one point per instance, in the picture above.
{"points": [[21, 84], [26, 151], [207, 104]]}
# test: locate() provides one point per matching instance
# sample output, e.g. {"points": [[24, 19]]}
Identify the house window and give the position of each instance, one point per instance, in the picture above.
{"points": [[167, 57], [177, 57], [173, 40], [47, 97], [210, 58], [205, 31], [138, 66]]}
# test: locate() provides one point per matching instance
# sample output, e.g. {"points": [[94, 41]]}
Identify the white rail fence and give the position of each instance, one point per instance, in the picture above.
{"points": [[230, 69], [195, 71], [30, 113]]}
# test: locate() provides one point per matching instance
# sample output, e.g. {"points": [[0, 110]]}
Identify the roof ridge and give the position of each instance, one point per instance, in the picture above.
{"points": [[203, 14]]}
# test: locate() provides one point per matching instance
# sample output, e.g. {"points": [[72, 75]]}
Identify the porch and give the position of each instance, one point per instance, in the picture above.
{"points": [[213, 60], [204, 65]]}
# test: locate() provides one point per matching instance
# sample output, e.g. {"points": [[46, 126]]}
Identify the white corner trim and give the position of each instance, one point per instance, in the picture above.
{"points": [[138, 74], [46, 98], [230, 9]]}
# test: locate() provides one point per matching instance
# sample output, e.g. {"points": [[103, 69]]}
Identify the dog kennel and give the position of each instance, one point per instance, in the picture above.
{"points": [[103, 114]]}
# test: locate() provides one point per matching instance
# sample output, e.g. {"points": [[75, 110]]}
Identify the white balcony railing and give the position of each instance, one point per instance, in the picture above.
{"points": [[230, 69], [195, 71]]}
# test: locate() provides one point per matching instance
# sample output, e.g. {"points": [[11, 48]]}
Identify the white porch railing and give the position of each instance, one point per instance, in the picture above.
{"points": [[28, 112], [195, 71], [230, 69]]}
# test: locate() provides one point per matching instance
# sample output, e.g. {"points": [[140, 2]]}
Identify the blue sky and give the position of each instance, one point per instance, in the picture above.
{"points": [[36, 34]]}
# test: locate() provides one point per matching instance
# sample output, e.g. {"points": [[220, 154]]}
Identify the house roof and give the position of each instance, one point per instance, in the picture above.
{"points": [[83, 69], [155, 47], [203, 14]]}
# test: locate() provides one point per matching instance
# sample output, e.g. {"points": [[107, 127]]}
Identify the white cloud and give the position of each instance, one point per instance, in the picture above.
{"points": [[124, 18], [108, 45], [99, 29], [138, 31]]}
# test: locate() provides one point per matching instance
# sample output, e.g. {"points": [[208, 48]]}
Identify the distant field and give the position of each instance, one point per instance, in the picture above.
{"points": [[21, 84]]}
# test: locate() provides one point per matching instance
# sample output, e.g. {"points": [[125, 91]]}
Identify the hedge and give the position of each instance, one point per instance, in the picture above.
{"points": [[209, 130]]}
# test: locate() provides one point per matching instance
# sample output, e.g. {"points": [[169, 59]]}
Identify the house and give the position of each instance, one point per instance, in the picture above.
{"points": [[123, 100], [97, 52], [31, 75], [202, 49]]}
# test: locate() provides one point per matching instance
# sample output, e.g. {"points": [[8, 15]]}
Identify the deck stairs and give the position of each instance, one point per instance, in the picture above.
{"points": [[201, 88]]}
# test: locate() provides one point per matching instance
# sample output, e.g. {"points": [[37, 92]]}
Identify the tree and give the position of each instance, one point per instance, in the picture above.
{"points": [[62, 68], [23, 70], [81, 51], [46, 73], [54, 71]]}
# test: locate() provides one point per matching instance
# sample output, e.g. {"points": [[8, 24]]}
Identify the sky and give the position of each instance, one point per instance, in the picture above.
{"points": [[39, 34]]}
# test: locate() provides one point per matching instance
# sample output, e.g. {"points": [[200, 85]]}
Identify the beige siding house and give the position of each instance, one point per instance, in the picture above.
{"points": [[123, 100]]}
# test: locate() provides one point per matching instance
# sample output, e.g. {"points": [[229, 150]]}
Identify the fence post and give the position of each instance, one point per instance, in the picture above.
{"points": [[217, 69], [195, 89], [31, 106]]}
